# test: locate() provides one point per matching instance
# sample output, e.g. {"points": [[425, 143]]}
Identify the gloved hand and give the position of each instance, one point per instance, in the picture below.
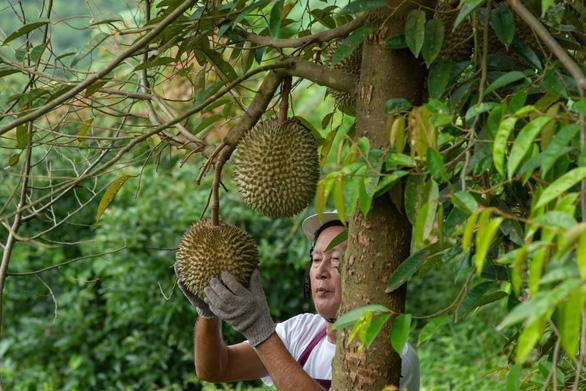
{"points": [[245, 310], [200, 306]]}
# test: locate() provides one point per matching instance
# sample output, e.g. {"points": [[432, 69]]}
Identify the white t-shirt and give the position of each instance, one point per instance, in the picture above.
{"points": [[298, 331]]}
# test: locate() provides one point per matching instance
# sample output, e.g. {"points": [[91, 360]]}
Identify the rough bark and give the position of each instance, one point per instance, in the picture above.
{"points": [[379, 242]]}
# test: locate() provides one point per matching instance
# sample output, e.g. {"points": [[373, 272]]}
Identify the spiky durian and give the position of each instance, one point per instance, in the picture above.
{"points": [[346, 100], [459, 43], [277, 168], [206, 250]]}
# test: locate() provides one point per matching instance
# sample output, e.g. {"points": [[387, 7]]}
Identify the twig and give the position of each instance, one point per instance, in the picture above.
{"points": [[35, 272], [323, 36], [52, 296], [91, 80], [209, 162]]}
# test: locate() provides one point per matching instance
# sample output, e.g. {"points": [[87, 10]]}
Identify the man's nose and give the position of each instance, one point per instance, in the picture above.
{"points": [[323, 269]]}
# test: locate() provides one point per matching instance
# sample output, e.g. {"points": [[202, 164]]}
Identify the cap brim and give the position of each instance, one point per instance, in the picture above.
{"points": [[311, 224]]}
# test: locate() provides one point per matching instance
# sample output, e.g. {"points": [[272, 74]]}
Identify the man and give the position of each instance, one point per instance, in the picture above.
{"points": [[294, 355]]}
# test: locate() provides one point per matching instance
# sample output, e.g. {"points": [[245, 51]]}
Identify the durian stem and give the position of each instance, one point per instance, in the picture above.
{"points": [[284, 105]]}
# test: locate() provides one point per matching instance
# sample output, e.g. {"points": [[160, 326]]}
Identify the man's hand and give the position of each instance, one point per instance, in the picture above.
{"points": [[200, 306], [245, 310]]}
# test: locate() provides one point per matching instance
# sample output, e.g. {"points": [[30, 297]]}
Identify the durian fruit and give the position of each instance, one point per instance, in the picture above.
{"points": [[277, 168], [206, 250], [346, 100], [459, 43]]}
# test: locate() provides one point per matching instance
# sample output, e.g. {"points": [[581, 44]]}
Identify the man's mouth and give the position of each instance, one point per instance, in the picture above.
{"points": [[322, 290]]}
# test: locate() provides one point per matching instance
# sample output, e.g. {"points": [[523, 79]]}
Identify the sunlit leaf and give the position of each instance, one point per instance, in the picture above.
{"points": [[523, 142], [467, 8], [569, 321], [500, 143], [350, 317], [109, 195], [561, 184]]}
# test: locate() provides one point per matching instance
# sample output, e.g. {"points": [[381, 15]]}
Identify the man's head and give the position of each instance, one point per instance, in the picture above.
{"points": [[324, 274]]}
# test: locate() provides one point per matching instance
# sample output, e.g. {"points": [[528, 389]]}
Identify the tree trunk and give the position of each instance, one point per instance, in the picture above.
{"points": [[379, 242]]}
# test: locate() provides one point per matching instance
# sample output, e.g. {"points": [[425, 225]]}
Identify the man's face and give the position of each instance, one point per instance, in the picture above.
{"points": [[324, 274]]}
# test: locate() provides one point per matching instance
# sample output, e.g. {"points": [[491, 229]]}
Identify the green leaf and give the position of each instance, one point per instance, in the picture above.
{"points": [[364, 199], [396, 42], [275, 19], [396, 105], [528, 339], [351, 43], [350, 317], [388, 181], [341, 237], [433, 40], [503, 24], [339, 198], [415, 31], [580, 106], [557, 147], [504, 80], [500, 143], [569, 321], [438, 78], [560, 185], [514, 378], [22, 136], [465, 201], [477, 109], [435, 165], [13, 159], [431, 327], [361, 6], [484, 239], [7, 70], [539, 305], [469, 6], [400, 159], [109, 195], [469, 231], [219, 63], [27, 28], [155, 62], [374, 328], [523, 142], [409, 266], [545, 4], [400, 332], [556, 219]]}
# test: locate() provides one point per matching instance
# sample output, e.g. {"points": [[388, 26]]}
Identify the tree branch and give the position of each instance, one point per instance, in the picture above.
{"points": [[333, 78], [551, 43], [88, 82], [17, 218], [324, 36]]}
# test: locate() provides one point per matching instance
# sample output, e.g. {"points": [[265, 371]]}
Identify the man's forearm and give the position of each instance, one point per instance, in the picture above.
{"points": [[286, 373], [209, 351]]}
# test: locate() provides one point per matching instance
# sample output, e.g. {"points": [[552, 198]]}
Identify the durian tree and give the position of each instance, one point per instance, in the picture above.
{"points": [[455, 136]]}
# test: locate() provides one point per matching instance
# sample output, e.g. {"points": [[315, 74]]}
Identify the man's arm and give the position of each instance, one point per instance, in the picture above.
{"points": [[286, 373], [217, 362]]}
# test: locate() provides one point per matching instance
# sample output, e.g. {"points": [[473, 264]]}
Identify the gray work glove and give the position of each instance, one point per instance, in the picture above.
{"points": [[245, 310], [200, 306]]}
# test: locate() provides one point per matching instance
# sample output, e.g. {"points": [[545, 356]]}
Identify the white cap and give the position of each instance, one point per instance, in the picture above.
{"points": [[314, 222]]}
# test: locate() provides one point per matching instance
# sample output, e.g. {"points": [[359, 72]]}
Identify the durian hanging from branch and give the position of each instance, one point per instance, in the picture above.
{"points": [[277, 165]]}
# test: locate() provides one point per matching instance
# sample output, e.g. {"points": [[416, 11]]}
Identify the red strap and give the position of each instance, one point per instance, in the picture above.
{"points": [[305, 355]]}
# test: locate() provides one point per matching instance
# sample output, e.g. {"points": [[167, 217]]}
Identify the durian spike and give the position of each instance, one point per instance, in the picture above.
{"points": [[284, 105]]}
